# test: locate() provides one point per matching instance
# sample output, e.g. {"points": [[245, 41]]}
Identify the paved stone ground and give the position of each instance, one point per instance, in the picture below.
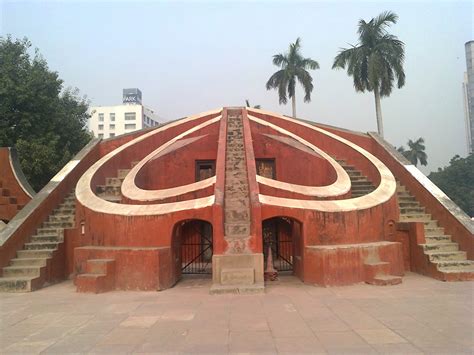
{"points": [[421, 315]]}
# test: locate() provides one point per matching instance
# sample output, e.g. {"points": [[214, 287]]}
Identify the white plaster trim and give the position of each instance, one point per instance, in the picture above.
{"points": [[65, 171], [12, 168], [381, 194], [132, 191], [156, 195], [341, 186], [441, 197], [351, 246], [89, 199]]}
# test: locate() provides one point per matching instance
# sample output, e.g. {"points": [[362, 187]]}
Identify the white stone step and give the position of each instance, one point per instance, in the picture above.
{"points": [[21, 271], [446, 255], [440, 247]]}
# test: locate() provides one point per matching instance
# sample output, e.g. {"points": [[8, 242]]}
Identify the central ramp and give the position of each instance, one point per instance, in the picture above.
{"points": [[236, 207], [239, 269]]}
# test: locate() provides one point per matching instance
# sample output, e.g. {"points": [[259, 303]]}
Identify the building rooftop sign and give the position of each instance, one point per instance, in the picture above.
{"points": [[132, 96]]}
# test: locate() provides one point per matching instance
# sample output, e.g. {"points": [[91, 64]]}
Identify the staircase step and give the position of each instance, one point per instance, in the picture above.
{"points": [[432, 239], [29, 262], [58, 225], [406, 198], [18, 284], [69, 218], [100, 266], [111, 198], [358, 178], [412, 210], [96, 283], [45, 239], [108, 189], [21, 271], [41, 246], [113, 181], [446, 255], [362, 183], [34, 253], [421, 217], [430, 224], [385, 280], [48, 231], [440, 247], [362, 192], [408, 204], [122, 173], [433, 230], [401, 188], [455, 266], [65, 210]]}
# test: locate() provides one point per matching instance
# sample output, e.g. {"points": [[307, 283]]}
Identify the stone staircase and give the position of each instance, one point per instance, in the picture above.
{"points": [[360, 185], [440, 250], [33, 266], [236, 191], [378, 273], [98, 278], [111, 190]]}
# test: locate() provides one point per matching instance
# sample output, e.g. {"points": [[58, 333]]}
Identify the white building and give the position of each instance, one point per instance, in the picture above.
{"points": [[111, 121], [467, 121], [468, 91]]}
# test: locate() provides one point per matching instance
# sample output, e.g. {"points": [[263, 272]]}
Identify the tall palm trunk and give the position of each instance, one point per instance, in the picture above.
{"points": [[293, 103], [378, 111]]}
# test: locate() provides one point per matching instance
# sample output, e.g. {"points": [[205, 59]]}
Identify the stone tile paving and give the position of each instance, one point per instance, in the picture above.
{"points": [[419, 316]]}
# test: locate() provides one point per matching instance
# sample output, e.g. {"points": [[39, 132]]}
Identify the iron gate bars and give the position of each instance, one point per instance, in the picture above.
{"points": [[281, 246], [196, 250]]}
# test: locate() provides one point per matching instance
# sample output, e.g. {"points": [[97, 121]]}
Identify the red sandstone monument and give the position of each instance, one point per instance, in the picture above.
{"points": [[215, 193]]}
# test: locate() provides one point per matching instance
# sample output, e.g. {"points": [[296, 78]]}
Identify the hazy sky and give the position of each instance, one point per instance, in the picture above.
{"points": [[192, 56]]}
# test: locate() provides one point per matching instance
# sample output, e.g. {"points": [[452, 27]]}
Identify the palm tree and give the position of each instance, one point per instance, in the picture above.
{"points": [[416, 153], [293, 67], [375, 61]]}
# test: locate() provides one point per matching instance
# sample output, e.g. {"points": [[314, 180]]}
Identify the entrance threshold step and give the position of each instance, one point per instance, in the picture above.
{"points": [[217, 289]]}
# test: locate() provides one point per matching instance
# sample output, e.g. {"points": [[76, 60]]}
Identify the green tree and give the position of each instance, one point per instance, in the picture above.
{"points": [[294, 67], [416, 152], [375, 61], [44, 122], [457, 181]]}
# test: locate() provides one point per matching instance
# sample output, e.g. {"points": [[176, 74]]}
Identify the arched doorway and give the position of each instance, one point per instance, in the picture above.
{"points": [[193, 247], [282, 235]]}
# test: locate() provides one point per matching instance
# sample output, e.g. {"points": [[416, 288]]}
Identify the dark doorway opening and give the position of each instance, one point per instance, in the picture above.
{"points": [[277, 237], [266, 168], [195, 251], [205, 169], [282, 236]]}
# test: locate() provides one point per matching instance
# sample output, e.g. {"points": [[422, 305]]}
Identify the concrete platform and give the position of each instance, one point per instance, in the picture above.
{"points": [[421, 315]]}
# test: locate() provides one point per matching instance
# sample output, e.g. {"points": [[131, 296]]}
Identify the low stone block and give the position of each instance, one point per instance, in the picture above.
{"points": [[237, 276]]}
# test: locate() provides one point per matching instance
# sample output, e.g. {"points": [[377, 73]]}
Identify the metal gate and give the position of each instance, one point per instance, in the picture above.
{"points": [[196, 248], [281, 244]]}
